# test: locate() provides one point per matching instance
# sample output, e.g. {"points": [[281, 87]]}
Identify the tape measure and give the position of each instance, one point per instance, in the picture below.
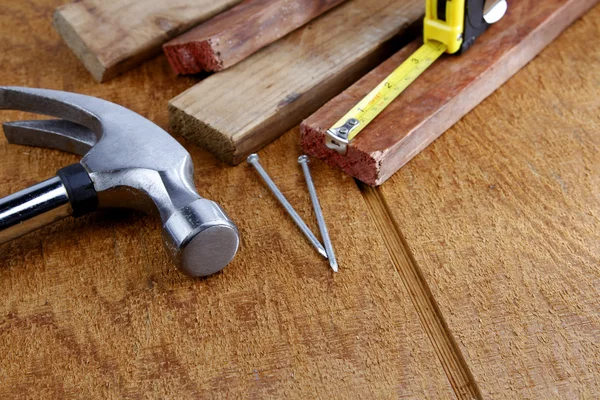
{"points": [[379, 98], [450, 26]]}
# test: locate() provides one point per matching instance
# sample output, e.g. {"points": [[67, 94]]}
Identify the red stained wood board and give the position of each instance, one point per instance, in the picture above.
{"points": [[448, 90]]}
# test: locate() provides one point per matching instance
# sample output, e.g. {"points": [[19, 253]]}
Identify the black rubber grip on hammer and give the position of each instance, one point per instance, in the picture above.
{"points": [[80, 189]]}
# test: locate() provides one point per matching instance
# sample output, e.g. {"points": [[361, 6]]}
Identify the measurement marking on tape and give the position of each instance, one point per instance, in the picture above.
{"points": [[355, 120]]}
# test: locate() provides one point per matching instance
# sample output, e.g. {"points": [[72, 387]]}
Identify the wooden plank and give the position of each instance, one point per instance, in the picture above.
{"points": [[111, 37], [242, 109], [93, 308], [452, 87], [502, 217], [240, 32]]}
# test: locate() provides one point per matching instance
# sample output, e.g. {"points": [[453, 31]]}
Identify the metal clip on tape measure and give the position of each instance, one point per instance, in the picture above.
{"points": [[450, 26]]}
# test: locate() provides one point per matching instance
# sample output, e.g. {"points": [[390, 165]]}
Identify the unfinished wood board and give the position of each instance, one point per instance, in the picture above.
{"points": [[240, 110], [236, 34], [502, 215], [93, 308], [111, 37], [440, 97]]}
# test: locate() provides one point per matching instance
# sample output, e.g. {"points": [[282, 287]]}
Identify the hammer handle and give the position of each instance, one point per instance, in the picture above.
{"points": [[71, 192], [33, 208]]}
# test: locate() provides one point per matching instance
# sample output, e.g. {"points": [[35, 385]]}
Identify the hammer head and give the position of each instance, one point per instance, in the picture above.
{"points": [[132, 163]]}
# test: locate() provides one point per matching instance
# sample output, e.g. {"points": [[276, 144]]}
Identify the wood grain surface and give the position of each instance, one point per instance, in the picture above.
{"points": [[111, 37], [240, 32], [439, 98], [472, 273], [502, 217], [282, 84], [92, 308]]}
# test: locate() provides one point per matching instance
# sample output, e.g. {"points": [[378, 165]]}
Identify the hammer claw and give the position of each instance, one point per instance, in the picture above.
{"points": [[51, 133]]}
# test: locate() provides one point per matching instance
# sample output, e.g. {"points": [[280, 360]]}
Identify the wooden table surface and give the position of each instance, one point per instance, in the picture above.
{"points": [[473, 273]]}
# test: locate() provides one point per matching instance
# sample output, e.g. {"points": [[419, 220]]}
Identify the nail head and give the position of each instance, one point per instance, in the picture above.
{"points": [[303, 159]]}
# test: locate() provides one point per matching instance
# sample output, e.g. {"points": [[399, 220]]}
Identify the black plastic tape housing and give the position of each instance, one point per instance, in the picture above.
{"points": [[475, 25], [80, 189]]}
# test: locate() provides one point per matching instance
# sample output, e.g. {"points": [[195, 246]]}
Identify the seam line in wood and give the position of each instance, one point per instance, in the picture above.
{"points": [[454, 365]]}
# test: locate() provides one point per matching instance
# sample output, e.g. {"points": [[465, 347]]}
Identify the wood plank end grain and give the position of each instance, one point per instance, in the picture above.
{"points": [[201, 134], [356, 163], [193, 57]]}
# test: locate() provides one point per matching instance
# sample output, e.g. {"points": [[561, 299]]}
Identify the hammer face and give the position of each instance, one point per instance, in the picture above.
{"points": [[201, 238]]}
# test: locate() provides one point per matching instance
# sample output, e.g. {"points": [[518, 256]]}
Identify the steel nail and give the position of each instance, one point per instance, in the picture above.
{"points": [[253, 160], [303, 161]]}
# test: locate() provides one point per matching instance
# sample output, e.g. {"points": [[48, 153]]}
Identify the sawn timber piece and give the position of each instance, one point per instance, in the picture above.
{"points": [[440, 97], [111, 37], [241, 109], [234, 35]]}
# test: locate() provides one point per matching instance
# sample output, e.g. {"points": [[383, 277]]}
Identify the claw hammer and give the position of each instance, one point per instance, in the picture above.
{"points": [[128, 162]]}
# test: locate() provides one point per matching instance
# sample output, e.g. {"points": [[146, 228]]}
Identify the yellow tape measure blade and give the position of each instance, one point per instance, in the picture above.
{"points": [[355, 120]]}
